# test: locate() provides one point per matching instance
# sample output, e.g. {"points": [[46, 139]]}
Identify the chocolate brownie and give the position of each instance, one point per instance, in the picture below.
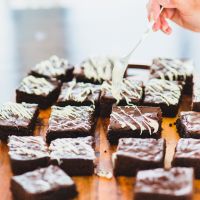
{"points": [[165, 94], [38, 90], [71, 122], [43, 184], [174, 69], [131, 93], [174, 184], [27, 153], [54, 67], [134, 122], [17, 119], [188, 124], [79, 94], [135, 154], [74, 155], [95, 70], [187, 154]]}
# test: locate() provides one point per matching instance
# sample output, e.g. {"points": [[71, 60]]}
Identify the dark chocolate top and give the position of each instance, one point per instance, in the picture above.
{"points": [[177, 181], [142, 149], [131, 90], [171, 69], [135, 118], [17, 114], [79, 92], [72, 148], [37, 86], [69, 118], [162, 91], [188, 148], [44, 180], [52, 68], [190, 120], [27, 147]]}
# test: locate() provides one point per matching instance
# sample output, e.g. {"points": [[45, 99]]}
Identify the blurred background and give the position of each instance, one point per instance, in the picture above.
{"points": [[33, 30]]}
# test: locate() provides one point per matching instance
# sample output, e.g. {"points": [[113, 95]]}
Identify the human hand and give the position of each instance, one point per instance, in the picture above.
{"points": [[185, 13]]}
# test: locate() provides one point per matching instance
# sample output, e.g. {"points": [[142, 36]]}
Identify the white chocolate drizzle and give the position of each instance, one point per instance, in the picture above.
{"points": [[127, 119], [84, 90], [72, 148], [167, 91], [98, 68], [70, 116], [129, 90], [172, 68], [52, 67], [38, 86], [17, 110], [27, 147]]}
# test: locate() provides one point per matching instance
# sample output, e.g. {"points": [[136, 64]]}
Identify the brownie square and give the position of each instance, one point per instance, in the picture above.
{"points": [[188, 124], [54, 67], [17, 119], [27, 153], [71, 122], [79, 94], [174, 184], [134, 122], [165, 94], [131, 93], [43, 184], [38, 90], [187, 154], [94, 70], [135, 154], [74, 155], [174, 70]]}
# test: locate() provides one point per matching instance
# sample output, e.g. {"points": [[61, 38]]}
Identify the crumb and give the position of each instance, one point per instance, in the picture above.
{"points": [[170, 125], [104, 174]]}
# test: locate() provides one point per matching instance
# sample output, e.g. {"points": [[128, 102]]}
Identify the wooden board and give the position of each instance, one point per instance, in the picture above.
{"points": [[97, 187]]}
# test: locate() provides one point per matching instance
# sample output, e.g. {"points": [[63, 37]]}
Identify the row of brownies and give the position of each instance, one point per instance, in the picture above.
{"points": [[76, 156], [72, 124], [50, 82]]}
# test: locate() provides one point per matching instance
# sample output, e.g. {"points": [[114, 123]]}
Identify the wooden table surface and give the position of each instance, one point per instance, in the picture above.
{"points": [[95, 187]]}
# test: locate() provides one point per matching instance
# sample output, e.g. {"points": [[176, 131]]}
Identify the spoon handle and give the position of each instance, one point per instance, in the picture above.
{"points": [[142, 39]]}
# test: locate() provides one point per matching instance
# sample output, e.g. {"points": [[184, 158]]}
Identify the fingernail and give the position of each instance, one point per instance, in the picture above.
{"points": [[165, 27]]}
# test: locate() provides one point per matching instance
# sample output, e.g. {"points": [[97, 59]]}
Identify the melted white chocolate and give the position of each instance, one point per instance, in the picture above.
{"points": [[144, 123], [70, 116], [52, 67], [85, 89], [98, 68], [10, 109], [173, 68], [38, 86], [161, 88], [128, 90]]}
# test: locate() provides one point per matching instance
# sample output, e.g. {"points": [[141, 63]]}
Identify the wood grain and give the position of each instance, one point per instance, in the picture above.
{"points": [[95, 187]]}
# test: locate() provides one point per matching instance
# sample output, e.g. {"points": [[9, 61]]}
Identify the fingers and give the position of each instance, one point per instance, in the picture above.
{"points": [[165, 26], [153, 7], [153, 10]]}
